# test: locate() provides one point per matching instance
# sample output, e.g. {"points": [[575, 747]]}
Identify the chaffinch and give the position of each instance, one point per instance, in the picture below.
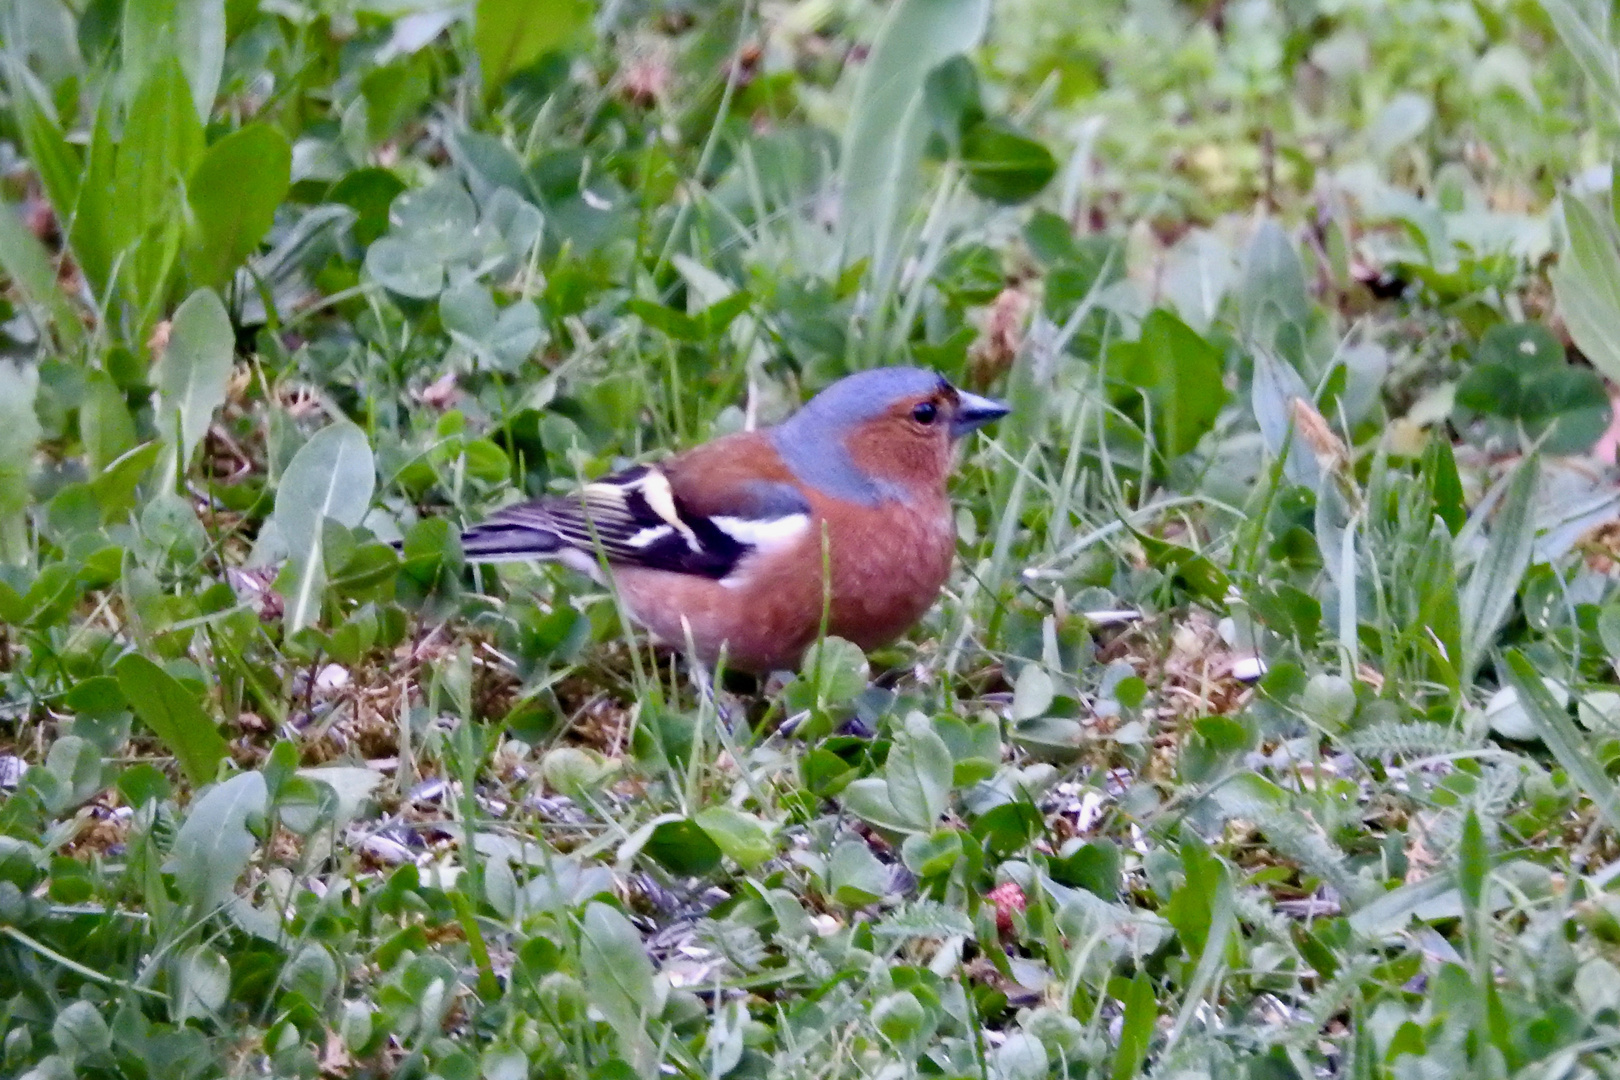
{"points": [[728, 538]]}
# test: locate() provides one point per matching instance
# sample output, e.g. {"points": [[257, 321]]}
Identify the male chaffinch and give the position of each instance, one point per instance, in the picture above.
{"points": [[728, 538]]}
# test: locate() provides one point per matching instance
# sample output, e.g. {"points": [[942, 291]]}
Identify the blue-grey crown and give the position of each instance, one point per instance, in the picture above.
{"points": [[864, 395], [811, 440]]}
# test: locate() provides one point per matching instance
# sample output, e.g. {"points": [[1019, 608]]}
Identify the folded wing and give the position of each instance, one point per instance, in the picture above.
{"points": [[639, 517]]}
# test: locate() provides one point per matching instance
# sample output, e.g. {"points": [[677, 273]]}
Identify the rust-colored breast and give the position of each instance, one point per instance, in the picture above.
{"points": [[887, 565]]}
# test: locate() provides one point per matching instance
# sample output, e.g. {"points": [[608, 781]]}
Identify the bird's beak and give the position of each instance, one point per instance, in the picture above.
{"points": [[973, 411]]}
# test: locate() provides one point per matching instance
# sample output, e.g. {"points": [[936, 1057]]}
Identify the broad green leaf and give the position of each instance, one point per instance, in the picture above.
{"points": [[889, 122], [19, 438], [191, 377], [837, 669], [351, 786], [100, 227], [405, 267], [1033, 693], [918, 772], [933, 854], [369, 192], [1180, 375], [213, 846], [1272, 294], [76, 762], [683, 848], [1197, 277], [174, 716], [440, 218], [515, 336], [1400, 121], [855, 876], [190, 31], [1022, 1057], [1493, 582], [331, 476], [500, 339], [161, 143], [868, 799], [900, 1018], [617, 974], [467, 311], [115, 488], [80, 1031], [1003, 164], [1222, 922], [512, 34], [954, 101], [1276, 386], [743, 837], [1520, 375], [105, 425], [202, 984], [234, 192]]}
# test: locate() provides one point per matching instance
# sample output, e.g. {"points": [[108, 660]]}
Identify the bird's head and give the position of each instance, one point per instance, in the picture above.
{"points": [[884, 433]]}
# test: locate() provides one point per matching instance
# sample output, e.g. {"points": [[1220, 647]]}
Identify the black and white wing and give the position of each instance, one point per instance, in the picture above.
{"points": [[637, 518]]}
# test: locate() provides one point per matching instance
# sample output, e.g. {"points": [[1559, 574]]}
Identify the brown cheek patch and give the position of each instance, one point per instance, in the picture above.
{"points": [[892, 448]]}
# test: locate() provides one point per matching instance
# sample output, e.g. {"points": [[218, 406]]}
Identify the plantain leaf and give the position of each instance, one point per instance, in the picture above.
{"points": [[191, 378], [174, 716], [331, 476]]}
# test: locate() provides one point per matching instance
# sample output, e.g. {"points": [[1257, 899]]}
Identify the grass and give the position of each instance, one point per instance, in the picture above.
{"points": [[1267, 727]]}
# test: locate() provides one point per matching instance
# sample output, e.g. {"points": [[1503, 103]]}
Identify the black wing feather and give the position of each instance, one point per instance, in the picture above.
{"points": [[617, 516]]}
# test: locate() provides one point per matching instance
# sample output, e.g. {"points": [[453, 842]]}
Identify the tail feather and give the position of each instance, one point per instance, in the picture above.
{"points": [[503, 541]]}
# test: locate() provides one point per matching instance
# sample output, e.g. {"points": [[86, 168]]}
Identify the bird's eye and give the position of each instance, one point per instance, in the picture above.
{"points": [[925, 413]]}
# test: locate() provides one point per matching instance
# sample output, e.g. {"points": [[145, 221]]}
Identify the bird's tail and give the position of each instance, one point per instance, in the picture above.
{"points": [[509, 541]]}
